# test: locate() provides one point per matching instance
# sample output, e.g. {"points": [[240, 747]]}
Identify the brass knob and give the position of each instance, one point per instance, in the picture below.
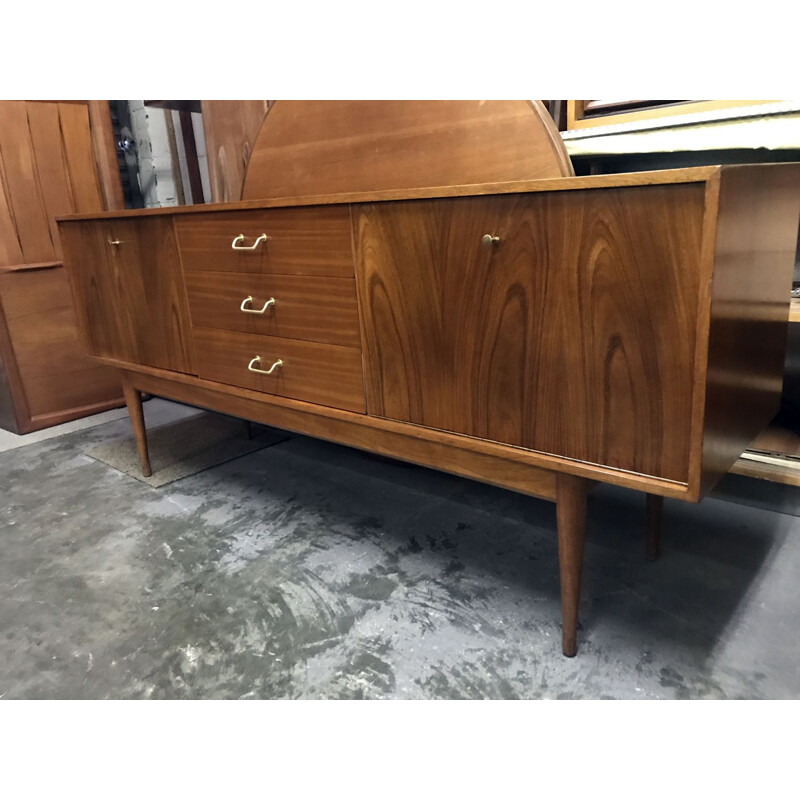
{"points": [[115, 242], [489, 240]]}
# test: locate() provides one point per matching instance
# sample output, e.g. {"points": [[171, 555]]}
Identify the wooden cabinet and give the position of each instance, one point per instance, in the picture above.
{"points": [[53, 161], [540, 335]]}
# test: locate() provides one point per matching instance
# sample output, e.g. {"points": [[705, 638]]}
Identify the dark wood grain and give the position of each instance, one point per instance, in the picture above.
{"points": [[131, 297], [350, 145], [571, 518], [575, 335], [309, 308], [753, 259], [311, 241], [317, 373]]}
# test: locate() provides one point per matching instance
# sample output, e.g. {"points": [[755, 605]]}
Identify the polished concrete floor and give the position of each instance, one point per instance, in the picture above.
{"points": [[308, 570]]}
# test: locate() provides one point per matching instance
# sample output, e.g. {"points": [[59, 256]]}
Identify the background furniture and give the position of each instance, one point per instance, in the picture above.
{"points": [[452, 296], [55, 158]]}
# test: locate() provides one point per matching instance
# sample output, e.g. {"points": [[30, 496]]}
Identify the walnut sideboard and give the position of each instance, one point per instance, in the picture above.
{"points": [[541, 336]]}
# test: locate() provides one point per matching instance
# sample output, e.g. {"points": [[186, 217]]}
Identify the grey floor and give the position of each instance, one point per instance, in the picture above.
{"points": [[308, 570]]}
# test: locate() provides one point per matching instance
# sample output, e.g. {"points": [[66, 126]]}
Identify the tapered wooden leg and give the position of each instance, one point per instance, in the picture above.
{"points": [[571, 517], [133, 399], [655, 504]]}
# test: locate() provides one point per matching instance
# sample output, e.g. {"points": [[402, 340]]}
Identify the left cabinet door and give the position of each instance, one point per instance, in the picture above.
{"points": [[129, 292]]}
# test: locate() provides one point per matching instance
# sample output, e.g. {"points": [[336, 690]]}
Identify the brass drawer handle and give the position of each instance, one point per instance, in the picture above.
{"points": [[488, 240], [240, 238], [257, 360], [249, 299]]}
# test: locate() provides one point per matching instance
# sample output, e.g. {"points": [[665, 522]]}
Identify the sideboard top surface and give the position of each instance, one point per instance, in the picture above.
{"points": [[656, 177]]}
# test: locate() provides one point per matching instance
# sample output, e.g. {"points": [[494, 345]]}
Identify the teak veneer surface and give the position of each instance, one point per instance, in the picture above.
{"points": [[311, 308], [308, 241], [348, 145], [574, 335], [325, 374], [130, 297]]}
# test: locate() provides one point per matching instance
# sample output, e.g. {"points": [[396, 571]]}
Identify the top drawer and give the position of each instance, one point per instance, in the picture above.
{"points": [[309, 240]]}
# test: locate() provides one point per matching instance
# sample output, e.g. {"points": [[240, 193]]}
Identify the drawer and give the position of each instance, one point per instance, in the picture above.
{"points": [[325, 374], [310, 240], [306, 307]]}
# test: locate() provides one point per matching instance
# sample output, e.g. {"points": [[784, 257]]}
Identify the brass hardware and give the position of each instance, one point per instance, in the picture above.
{"points": [[240, 238], [114, 241], [249, 299], [488, 239], [257, 360]]}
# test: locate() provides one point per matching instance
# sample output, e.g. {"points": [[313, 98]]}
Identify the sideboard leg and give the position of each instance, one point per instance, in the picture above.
{"points": [[133, 399], [655, 503], [571, 516]]}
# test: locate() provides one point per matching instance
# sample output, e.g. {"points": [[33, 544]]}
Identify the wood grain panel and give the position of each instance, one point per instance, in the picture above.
{"points": [[22, 184], [310, 241], [55, 373], [321, 147], [574, 336], [449, 453], [86, 195], [309, 308], [230, 128], [51, 165], [130, 298], [317, 373], [10, 247], [756, 238]]}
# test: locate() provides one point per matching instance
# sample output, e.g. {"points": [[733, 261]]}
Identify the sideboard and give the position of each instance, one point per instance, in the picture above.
{"points": [[540, 335]]}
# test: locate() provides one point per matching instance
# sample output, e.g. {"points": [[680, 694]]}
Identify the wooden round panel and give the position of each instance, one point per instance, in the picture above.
{"points": [[318, 147]]}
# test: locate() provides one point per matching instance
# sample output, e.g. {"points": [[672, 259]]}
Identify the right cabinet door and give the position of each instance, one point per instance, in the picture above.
{"points": [[573, 334]]}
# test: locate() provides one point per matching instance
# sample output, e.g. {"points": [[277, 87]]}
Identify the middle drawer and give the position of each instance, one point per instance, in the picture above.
{"points": [[293, 307]]}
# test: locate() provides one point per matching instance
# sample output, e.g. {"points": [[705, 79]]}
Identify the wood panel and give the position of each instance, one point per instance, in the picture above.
{"points": [[317, 373], [315, 240], [79, 151], [457, 455], [756, 238], [130, 297], [322, 147], [22, 184], [51, 166], [309, 308], [574, 336], [55, 377], [230, 128]]}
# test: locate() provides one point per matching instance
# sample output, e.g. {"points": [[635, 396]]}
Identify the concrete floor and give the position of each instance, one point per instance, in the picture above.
{"points": [[308, 570]]}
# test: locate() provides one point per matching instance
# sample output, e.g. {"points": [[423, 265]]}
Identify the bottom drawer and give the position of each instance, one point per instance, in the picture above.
{"points": [[326, 374]]}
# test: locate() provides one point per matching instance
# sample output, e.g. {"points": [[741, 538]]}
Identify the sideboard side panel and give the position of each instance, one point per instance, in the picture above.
{"points": [[757, 229]]}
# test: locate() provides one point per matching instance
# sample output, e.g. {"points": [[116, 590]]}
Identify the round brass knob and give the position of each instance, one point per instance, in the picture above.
{"points": [[489, 240]]}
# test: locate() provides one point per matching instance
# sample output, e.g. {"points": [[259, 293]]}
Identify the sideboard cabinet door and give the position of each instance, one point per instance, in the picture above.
{"points": [[128, 282], [571, 332]]}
